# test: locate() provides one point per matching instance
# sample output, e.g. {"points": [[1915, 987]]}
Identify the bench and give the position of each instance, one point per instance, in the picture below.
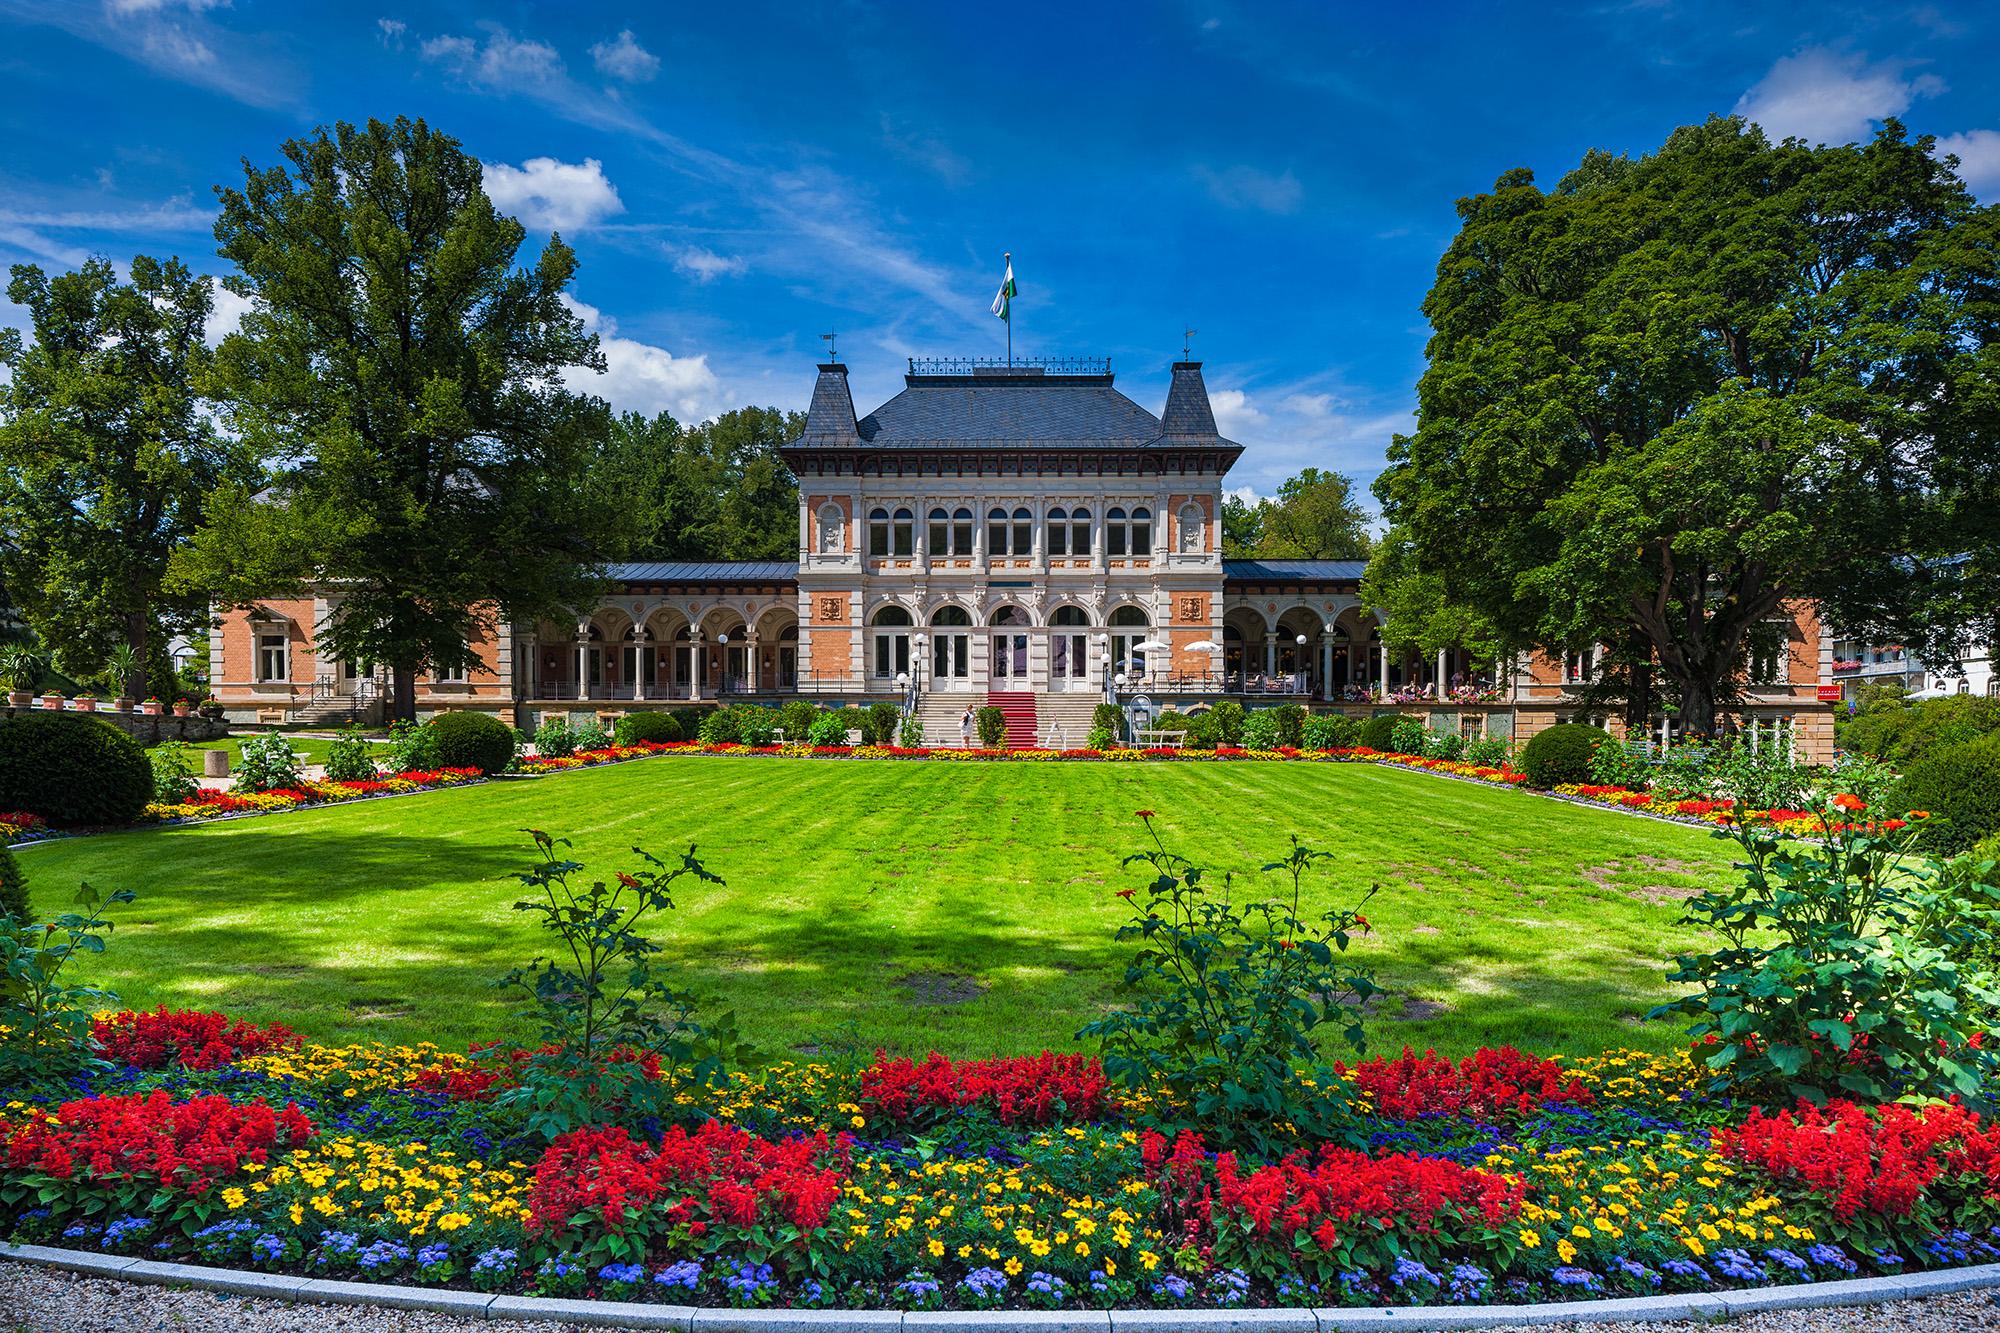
{"points": [[1152, 738]]}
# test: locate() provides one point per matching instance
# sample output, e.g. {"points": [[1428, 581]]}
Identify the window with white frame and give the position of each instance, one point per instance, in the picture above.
{"points": [[1142, 532], [940, 533], [1766, 654], [1058, 532], [1580, 665], [892, 642], [1079, 532], [878, 533], [903, 532], [274, 657], [996, 533], [1115, 531], [961, 531], [1024, 533], [449, 675]]}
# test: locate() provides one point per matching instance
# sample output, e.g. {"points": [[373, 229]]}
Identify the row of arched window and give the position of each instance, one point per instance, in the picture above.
{"points": [[893, 533]]}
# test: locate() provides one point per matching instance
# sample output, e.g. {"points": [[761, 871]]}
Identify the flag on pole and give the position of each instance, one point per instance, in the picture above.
{"points": [[1003, 304]]}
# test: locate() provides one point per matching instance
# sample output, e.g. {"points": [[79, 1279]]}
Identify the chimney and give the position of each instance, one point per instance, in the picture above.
{"points": [[1188, 418], [830, 419]]}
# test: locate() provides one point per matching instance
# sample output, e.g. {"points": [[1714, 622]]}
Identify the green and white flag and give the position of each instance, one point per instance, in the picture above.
{"points": [[1003, 304]]}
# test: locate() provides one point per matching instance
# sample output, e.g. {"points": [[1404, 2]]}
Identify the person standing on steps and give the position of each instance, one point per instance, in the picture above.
{"points": [[965, 729]]}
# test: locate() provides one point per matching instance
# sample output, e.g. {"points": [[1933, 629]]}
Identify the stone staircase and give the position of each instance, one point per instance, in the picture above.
{"points": [[1018, 707], [336, 709], [939, 711], [1046, 721], [1064, 719]]}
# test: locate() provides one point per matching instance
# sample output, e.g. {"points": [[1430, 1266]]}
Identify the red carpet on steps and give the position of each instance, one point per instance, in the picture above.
{"points": [[1019, 709]]}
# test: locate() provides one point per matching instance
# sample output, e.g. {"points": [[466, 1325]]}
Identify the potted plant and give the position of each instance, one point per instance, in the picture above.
{"points": [[150, 707], [183, 707], [121, 664], [86, 703], [211, 708], [52, 700], [23, 669]]}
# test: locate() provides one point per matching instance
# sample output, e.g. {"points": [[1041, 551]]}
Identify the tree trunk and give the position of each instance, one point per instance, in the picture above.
{"points": [[137, 633], [1639, 693], [1698, 706], [403, 693]]}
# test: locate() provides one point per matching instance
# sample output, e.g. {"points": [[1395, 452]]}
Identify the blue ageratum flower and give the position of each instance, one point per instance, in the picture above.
{"points": [[920, 1291], [1571, 1276], [621, 1275], [125, 1228], [1047, 1289], [1888, 1259], [1636, 1271], [1295, 1290], [1231, 1286], [686, 1275], [1173, 1288], [430, 1256], [1735, 1263], [1468, 1283], [1686, 1269], [750, 1284], [495, 1260], [1831, 1256], [337, 1246], [1787, 1260], [1409, 1271], [268, 1247]]}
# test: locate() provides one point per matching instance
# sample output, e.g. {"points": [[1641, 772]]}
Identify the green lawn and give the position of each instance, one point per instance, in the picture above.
{"points": [[966, 907]]}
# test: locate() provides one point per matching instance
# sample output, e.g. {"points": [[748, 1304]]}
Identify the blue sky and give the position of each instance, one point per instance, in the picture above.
{"points": [[739, 178]]}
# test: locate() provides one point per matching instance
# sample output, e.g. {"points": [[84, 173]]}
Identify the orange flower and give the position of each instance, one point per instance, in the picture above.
{"points": [[1920, 814], [1126, 894], [1145, 814], [627, 880], [1845, 801]]}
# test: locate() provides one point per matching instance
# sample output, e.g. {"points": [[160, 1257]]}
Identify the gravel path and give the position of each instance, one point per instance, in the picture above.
{"points": [[46, 1300]]}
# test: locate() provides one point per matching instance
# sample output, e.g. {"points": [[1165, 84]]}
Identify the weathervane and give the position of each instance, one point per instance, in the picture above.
{"points": [[1187, 339], [827, 338]]}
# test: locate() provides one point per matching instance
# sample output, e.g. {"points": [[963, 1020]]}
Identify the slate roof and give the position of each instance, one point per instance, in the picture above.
{"points": [[706, 571], [1302, 571]]}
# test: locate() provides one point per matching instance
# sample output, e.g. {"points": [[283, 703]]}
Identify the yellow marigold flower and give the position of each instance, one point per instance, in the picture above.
{"points": [[234, 1198], [1012, 1267], [1531, 1239], [1566, 1251]]}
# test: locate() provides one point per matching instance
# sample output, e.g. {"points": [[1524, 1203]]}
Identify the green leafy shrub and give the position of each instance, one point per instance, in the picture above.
{"points": [[1617, 766], [351, 757], [881, 724], [1202, 731], [1231, 995], [1100, 739], [647, 728], [1960, 786], [13, 890], [829, 729], [45, 1020], [1447, 745], [173, 772], [1260, 729], [720, 727], [1561, 753], [910, 732], [472, 740], [1228, 722], [590, 735], [1291, 724], [1764, 778], [1840, 970], [756, 725], [1899, 733], [1170, 720], [72, 769], [1488, 750], [1377, 733], [796, 717], [1409, 736], [554, 738], [1330, 731], [601, 1004], [992, 724], [688, 718], [1109, 716], [413, 749], [267, 763]]}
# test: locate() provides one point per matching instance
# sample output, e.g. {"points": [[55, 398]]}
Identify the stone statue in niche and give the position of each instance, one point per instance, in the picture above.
{"points": [[832, 530]]}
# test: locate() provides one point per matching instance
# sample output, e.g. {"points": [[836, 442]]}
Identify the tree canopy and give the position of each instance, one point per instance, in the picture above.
{"points": [[1675, 393], [1314, 516], [715, 491], [106, 458], [401, 379]]}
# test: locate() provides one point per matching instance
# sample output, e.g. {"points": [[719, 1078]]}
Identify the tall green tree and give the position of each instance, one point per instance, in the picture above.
{"points": [[401, 376], [1414, 609], [714, 491], [106, 456], [1674, 393], [1314, 516]]}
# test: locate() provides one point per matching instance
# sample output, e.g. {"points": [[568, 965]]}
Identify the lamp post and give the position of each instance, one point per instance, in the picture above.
{"points": [[1299, 660], [722, 643]]}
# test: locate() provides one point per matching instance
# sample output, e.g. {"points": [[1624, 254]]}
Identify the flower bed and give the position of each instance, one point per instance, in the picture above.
{"points": [[208, 804], [980, 1184], [19, 826]]}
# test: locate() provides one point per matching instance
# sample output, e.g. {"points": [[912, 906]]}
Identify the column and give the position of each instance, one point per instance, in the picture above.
{"points": [[1382, 667], [642, 648], [753, 665], [1441, 686], [694, 665], [1325, 666], [582, 667], [1270, 655]]}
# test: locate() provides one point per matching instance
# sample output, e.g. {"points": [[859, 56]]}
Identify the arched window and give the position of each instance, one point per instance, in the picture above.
{"points": [[952, 617], [996, 533], [1114, 531], [951, 644], [1058, 532], [1069, 649], [1069, 615], [1079, 532], [832, 529], [1142, 532], [961, 531], [1126, 655], [878, 532], [1024, 533], [1190, 529], [892, 641], [905, 533], [940, 533], [1010, 615]]}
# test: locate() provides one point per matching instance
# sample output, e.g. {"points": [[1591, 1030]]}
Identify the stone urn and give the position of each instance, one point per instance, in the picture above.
{"points": [[20, 699], [151, 708]]}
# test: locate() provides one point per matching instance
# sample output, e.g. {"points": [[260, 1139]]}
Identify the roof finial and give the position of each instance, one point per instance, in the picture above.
{"points": [[1187, 339], [827, 338]]}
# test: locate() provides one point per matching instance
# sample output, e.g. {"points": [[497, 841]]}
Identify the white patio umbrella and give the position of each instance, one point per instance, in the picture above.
{"points": [[1205, 646], [1152, 646]]}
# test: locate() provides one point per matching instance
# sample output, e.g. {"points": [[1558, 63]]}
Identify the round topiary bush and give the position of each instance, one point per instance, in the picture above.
{"points": [[13, 888], [1378, 733], [472, 740], [1960, 786], [1561, 754], [72, 769], [656, 728]]}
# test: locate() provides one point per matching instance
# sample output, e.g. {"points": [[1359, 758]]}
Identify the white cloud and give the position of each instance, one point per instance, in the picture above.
{"points": [[392, 31], [913, 143], [1235, 415], [552, 195], [706, 265], [125, 7], [503, 62], [1286, 430], [1826, 96], [1248, 187], [625, 59], [1978, 153], [639, 377], [225, 316]]}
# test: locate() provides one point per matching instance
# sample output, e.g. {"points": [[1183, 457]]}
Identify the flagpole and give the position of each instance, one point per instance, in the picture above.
{"points": [[1010, 313]]}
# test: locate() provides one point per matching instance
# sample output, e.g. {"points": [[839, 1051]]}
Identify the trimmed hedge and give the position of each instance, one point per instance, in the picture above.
{"points": [[657, 728], [1378, 733], [1960, 786], [1561, 754], [1331, 731], [13, 888], [472, 740], [72, 769]]}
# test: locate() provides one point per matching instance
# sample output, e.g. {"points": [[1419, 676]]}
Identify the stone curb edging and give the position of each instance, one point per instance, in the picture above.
{"points": [[691, 1319]]}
